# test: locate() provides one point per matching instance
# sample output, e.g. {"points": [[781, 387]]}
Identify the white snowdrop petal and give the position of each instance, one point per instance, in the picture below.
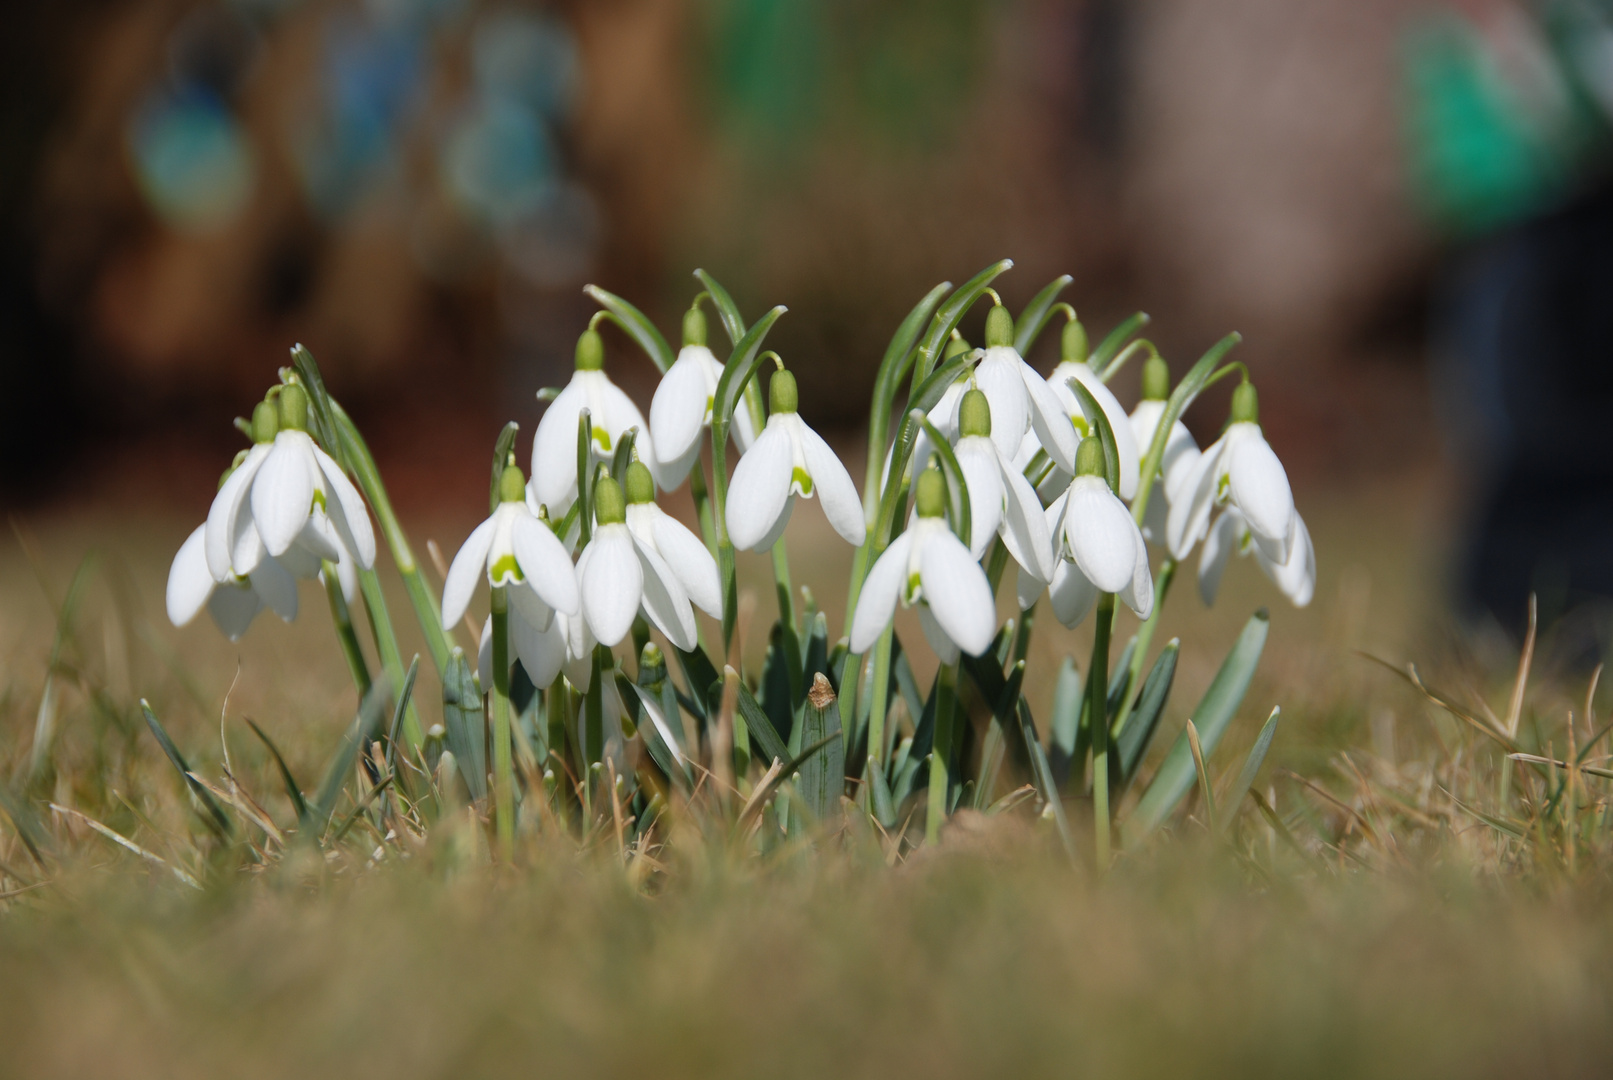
{"points": [[946, 650], [678, 411], [190, 583], [283, 492], [664, 600], [233, 607], [247, 547], [1181, 454], [957, 592], [579, 665], [1297, 576], [658, 720], [554, 450], [612, 584], [1258, 487], [1139, 595], [1049, 421], [691, 562], [876, 603], [1219, 544], [225, 513], [1028, 588], [541, 651], [1071, 594], [1099, 532], [525, 602], [347, 510], [620, 415], [276, 587], [318, 539], [468, 567], [978, 457], [484, 655], [1189, 513], [1024, 525], [743, 427], [1000, 379], [545, 563], [1144, 422], [347, 578], [760, 488], [835, 491], [1119, 423]]}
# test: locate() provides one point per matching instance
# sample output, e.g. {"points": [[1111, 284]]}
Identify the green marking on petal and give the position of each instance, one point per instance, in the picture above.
{"points": [[1223, 484], [319, 500], [912, 592], [602, 437], [1081, 426], [802, 481], [506, 569]]}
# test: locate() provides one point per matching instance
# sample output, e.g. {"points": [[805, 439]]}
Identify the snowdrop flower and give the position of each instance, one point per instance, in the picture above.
{"points": [[1073, 365], [1240, 470], [1295, 577], [681, 408], [541, 652], [1021, 400], [788, 459], [929, 566], [232, 603], [1101, 549], [1181, 452], [683, 552], [287, 500], [620, 573], [519, 553], [1001, 501], [554, 446]]}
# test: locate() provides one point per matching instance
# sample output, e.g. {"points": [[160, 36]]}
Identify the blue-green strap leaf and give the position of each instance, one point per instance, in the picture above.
{"points": [[637, 325], [1028, 327]]}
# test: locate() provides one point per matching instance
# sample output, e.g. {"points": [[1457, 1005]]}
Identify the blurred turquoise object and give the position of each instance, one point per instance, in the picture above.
{"points": [[192, 160]]}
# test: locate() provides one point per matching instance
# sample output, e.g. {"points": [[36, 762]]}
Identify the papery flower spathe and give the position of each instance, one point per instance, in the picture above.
{"points": [[1100, 548], [519, 553], [287, 499], [1181, 453], [1295, 577], [621, 573], [788, 459], [681, 408], [1001, 501], [1022, 402], [1240, 470], [611, 414], [927, 565]]}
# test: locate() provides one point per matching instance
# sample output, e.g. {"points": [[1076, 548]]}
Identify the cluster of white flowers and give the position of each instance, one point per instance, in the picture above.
{"points": [[1038, 477], [282, 512]]}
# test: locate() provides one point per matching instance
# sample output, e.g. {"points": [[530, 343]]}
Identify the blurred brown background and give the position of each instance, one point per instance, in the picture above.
{"points": [[418, 189]]}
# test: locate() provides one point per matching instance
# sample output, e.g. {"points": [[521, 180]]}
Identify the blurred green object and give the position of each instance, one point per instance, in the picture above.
{"points": [[1503, 120]]}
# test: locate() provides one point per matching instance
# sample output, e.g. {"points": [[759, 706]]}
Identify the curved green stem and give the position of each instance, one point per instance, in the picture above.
{"points": [[503, 767], [941, 757], [1098, 710], [1145, 638], [342, 616]]}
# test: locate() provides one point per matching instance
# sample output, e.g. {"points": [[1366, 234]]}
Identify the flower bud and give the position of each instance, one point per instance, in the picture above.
{"points": [[694, 327], [1156, 379], [609, 508], [293, 408], [1089, 457], [590, 351], [639, 483], [782, 396], [999, 327], [651, 665], [265, 422], [512, 485], [956, 346], [1245, 404], [931, 497], [974, 415], [1073, 343]]}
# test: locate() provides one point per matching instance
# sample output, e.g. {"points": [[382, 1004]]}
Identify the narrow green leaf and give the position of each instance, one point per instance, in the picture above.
{"points": [[26, 823], [214, 817], [637, 325], [1189, 388], [1034, 318], [501, 457], [763, 793], [742, 364], [1067, 699], [320, 413], [951, 313], [623, 456], [699, 675], [822, 777], [1099, 422], [366, 725], [761, 726], [405, 695], [1206, 790], [293, 791], [1042, 774], [1119, 677], [1139, 730], [464, 724], [880, 800], [728, 311], [585, 477], [1214, 712], [1110, 345], [1251, 767], [957, 483]]}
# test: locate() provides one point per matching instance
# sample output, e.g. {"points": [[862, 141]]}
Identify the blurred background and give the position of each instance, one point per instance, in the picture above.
{"points": [[1402, 205]]}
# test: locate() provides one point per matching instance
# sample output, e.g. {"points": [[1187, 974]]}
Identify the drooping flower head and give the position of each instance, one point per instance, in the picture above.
{"points": [[1073, 365], [927, 565], [681, 408], [611, 413], [1241, 471], [622, 574], [1296, 578], [786, 460], [1001, 501], [1181, 452], [1100, 549]]}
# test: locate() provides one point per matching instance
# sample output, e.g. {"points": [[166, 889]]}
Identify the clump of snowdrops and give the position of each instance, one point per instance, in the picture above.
{"points": [[598, 703]]}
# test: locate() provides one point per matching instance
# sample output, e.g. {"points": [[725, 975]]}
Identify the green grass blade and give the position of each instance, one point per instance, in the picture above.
{"points": [[1214, 712], [766, 790], [1028, 327], [951, 313], [761, 728], [1111, 345], [464, 724], [1042, 774], [23, 819], [405, 697], [366, 725], [637, 325], [1098, 420], [1134, 738], [733, 323], [957, 483], [699, 675], [1206, 790], [1251, 767], [293, 791], [214, 817], [742, 364]]}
